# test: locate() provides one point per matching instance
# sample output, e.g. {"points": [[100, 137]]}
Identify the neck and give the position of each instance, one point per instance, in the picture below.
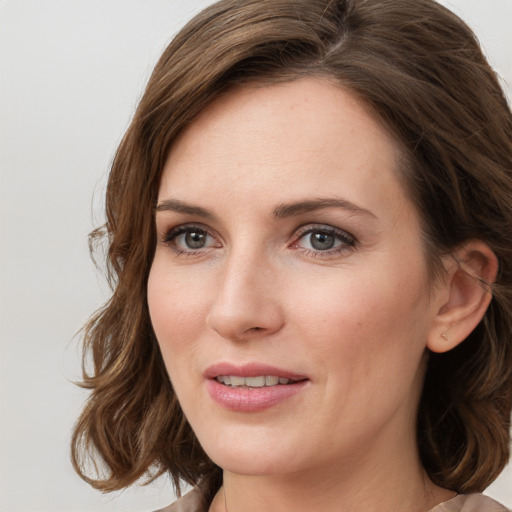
{"points": [[361, 485]]}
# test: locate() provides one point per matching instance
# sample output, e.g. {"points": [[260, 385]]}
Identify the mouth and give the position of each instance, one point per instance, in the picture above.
{"points": [[261, 381], [252, 387]]}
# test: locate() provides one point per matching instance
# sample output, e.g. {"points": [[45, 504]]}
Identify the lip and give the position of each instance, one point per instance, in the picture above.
{"points": [[252, 399], [250, 370]]}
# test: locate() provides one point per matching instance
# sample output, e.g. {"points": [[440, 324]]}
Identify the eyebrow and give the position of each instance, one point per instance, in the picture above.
{"points": [[175, 205], [280, 212], [300, 207]]}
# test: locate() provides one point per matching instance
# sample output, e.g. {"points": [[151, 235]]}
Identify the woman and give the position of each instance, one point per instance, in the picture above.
{"points": [[310, 236]]}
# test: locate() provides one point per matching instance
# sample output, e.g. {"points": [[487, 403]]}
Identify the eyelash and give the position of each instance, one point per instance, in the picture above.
{"points": [[171, 236], [345, 241]]}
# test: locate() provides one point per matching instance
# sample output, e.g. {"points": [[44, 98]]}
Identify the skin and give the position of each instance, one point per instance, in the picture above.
{"points": [[355, 319]]}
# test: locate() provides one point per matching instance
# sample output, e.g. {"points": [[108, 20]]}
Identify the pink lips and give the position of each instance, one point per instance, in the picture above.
{"points": [[244, 399]]}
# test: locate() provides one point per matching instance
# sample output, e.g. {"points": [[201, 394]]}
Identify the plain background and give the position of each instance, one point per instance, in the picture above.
{"points": [[71, 72]]}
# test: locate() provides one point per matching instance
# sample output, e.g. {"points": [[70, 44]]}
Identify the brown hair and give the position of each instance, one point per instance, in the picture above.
{"points": [[421, 71]]}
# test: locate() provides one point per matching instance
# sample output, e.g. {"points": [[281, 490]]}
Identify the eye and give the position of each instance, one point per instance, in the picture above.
{"points": [[190, 239], [323, 240]]}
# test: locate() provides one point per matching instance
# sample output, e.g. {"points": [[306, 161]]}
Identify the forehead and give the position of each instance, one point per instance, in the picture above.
{"points": [[307, 137], [317, 106]]}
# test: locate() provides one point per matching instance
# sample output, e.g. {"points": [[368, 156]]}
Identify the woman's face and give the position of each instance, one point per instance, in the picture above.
{"points": [[289, 291]]}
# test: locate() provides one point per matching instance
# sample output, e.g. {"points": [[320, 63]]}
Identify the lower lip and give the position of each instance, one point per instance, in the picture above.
{"points": [[252, 399]]}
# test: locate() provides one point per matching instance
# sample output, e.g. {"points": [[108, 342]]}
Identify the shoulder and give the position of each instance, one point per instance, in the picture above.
{"points": [[193, 501], [470, 503]]}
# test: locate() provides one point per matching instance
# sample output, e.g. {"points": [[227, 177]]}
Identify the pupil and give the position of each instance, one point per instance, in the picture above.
{"points": [[195, 240], [322, 241]]}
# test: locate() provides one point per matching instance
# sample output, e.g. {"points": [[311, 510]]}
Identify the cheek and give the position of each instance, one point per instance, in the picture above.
{"points": [[369, 319], [368, 337], [176, 307]]}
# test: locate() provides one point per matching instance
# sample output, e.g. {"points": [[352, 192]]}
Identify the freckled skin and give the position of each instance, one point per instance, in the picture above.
{"points": [[355, 321]]}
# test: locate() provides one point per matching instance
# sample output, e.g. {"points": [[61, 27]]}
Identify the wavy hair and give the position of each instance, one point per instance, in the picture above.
{"points": [[421, 71]]}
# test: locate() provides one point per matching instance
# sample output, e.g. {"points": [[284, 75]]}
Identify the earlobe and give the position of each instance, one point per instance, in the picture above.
{"points": [[464, 295]]}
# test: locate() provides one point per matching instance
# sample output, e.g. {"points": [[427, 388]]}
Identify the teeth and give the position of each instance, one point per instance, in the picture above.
{"points": [[255, 382], [237, 381], [252, 382], [271, 381]]}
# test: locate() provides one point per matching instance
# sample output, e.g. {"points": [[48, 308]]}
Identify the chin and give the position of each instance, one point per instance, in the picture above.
{"points": [[250, 465], [252, 455]]}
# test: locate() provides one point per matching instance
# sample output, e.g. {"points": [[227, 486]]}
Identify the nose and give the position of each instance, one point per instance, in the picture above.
{"points": [[247, 304]]}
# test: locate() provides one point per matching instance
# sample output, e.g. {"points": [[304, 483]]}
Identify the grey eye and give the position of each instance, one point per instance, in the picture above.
{"points": [[190, 239], [322, 241], [325, 240], [195, 239]]}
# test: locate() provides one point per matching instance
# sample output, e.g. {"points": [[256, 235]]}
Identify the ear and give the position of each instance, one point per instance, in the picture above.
{"points": [[463, 297]]}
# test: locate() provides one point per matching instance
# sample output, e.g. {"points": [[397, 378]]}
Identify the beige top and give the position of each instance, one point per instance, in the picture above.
{"points": [[192, 502], [470, 503]]}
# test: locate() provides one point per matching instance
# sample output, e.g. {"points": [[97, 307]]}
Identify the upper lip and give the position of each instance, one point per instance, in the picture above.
{"points": [[250, 370]]}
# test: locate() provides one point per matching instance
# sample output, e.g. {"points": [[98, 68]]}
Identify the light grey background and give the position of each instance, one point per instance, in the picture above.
{"points": [[71, 72]]}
